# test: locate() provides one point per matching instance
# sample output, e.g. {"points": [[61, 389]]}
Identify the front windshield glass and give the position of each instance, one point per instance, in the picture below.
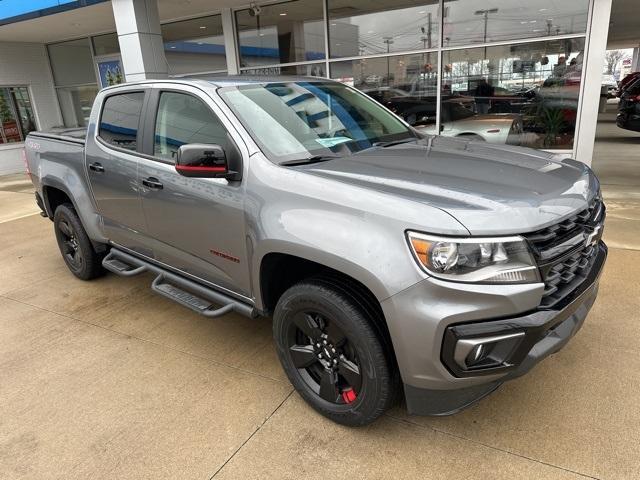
{"points": [[297, 120]]}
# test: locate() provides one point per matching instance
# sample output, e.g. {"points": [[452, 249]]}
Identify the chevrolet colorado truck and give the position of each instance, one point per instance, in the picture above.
{"points": [[390, 261]]}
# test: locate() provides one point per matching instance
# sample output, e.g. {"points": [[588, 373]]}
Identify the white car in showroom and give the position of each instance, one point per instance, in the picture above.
{"points": [[459, 121]]}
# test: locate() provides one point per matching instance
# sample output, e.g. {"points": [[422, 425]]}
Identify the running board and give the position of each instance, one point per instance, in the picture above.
{"points": [[203, 300]]}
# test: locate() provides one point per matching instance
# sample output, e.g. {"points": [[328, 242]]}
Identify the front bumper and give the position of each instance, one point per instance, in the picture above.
{"points": [[433, 386]]}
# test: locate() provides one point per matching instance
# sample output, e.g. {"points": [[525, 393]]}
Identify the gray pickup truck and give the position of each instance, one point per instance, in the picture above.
{"points": [[390, 261]]}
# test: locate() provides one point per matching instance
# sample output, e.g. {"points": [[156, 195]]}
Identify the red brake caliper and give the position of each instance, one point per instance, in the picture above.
{"points": [[348, 395]]}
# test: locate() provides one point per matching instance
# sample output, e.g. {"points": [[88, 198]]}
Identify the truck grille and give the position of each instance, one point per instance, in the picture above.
{"points": [[566, 252]]}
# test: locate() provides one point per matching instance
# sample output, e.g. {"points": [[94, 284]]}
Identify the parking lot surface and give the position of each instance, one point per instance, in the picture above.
{"points": [[104, 379]]}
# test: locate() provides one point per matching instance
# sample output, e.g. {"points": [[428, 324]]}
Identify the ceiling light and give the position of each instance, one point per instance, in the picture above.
{"points": [[202, 27], [283, 14], [422, 11], [172, 47]]}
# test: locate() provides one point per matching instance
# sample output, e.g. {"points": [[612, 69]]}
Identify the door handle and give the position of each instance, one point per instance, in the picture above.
{"points": [[96, 167], [153, 183]]}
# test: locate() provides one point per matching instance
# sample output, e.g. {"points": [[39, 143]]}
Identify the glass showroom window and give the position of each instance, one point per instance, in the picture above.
{"points": [[362, 27], [75, 80], [195, 46], [406, 84], [480, 21], [282, 33], [106, 44], [523, 94], [16, 114], [309, 70]]}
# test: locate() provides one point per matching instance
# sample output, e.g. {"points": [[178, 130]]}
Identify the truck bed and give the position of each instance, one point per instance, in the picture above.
{"points": [[73, 135]]}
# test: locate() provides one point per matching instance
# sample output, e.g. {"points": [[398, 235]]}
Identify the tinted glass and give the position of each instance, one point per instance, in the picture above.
{"points": [[523, 94], [120, 120], [478, 21], [281, 33], [634, 89], [106, 44], [364, 27], [309, 70], [24, 109], [295, 120], [406, 84], [184, 119], [75, 104], [193, 46], [16, 114], [71, 62]]}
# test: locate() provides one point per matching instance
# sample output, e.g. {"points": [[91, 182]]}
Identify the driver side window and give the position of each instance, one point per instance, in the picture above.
{"points": [[183, 119]]}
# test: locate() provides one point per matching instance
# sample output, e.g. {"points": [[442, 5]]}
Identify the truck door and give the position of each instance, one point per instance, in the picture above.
{"points": [[196, 225], [112, 164]]}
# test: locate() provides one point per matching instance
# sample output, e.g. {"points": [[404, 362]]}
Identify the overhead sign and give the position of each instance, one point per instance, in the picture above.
{"points": [[16, 8]]}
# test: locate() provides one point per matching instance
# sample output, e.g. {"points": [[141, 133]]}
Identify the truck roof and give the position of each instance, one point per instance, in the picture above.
{"points": [[228, 80]]}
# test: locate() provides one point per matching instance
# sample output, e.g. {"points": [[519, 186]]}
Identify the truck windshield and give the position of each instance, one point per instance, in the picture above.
{"points": [[297, 120]]}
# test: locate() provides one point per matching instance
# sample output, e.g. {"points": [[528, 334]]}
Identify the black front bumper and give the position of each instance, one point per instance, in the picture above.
{"points": [[546, 332]]}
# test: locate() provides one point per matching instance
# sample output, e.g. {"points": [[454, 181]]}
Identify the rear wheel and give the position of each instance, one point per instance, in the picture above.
{"points": [[76, 248], [331, 353]]}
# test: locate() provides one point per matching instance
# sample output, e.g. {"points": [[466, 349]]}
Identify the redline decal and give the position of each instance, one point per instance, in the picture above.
{"points": [[226, 256]]}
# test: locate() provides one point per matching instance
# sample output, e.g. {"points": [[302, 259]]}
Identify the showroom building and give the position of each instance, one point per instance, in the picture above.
{"points": [[503, 71]]}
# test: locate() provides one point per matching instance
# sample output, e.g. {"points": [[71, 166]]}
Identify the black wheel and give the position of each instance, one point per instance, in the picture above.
{"points": [[76, 248], [331, 353]]}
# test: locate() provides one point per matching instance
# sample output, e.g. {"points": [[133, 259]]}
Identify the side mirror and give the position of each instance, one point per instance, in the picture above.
{"points": [[203, 161]]}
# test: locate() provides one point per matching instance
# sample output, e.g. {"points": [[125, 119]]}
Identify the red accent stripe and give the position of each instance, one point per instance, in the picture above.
{"points": [[200, 169]]}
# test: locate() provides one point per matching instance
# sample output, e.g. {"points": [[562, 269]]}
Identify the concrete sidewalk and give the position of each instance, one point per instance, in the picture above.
{"points": [[104, 379]]}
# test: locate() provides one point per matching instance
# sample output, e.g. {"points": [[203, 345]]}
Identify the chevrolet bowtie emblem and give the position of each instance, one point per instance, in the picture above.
{"points": [[593, 237]]}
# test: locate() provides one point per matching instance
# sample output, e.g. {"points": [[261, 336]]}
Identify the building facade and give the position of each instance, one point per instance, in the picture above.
{"points": [[502, 71]]}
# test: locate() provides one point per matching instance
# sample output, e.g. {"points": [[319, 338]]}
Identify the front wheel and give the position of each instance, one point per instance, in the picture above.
{"points": [[331, 353]]}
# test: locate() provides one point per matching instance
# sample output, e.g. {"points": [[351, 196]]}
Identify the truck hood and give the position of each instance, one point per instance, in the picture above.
{"points": [[490, 189]]}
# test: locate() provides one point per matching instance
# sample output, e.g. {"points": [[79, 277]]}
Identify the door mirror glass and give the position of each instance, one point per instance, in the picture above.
{"points": [[202, 160]]}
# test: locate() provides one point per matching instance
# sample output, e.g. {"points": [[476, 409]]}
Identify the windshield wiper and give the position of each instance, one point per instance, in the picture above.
{"points": [[308, 160], [394, 142]]}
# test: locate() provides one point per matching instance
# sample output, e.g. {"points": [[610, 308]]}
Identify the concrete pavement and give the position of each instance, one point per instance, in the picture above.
{"points": [[104, 379]]}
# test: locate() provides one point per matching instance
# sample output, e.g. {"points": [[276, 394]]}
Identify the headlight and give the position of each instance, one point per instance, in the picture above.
{"points": [[476, 260]]}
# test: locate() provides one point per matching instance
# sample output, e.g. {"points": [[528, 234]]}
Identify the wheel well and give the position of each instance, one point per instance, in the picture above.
{"points": [[53, 198], [279, 272]]}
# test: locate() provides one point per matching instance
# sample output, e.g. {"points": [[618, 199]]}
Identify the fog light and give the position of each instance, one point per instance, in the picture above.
{"points": [[486, 352]]}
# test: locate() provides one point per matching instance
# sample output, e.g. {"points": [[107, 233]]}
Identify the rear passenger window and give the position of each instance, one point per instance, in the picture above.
{"points": [[184, 119], [120, 119]]}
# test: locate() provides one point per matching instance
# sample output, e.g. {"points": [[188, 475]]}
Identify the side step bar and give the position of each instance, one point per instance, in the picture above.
{"points": [[188, 293]]}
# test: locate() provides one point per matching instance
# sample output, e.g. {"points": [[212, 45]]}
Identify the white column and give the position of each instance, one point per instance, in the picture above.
{"points": [[141, 47], [635, 61], [597, 33], [230, 42]]}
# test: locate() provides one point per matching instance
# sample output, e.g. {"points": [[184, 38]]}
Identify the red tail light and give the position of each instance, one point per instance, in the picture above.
{"points": [[23, 153]]}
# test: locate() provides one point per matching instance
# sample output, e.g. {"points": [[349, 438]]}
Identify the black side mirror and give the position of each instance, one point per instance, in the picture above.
{"points": [[204, 161]]}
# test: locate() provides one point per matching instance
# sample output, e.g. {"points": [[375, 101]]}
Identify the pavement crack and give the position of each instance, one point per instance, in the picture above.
{"points": [[140, 339], [492, 447], [252, 434]]}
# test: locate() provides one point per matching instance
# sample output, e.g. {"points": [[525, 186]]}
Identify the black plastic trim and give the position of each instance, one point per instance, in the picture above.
{"points": [[536, 326]]}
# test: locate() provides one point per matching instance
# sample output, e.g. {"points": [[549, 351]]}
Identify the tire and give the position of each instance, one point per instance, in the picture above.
{"points": [[353, 382], [74, 244]]}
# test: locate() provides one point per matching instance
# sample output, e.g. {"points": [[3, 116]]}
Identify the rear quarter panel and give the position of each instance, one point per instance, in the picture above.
{"points": [[61, 164]]}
